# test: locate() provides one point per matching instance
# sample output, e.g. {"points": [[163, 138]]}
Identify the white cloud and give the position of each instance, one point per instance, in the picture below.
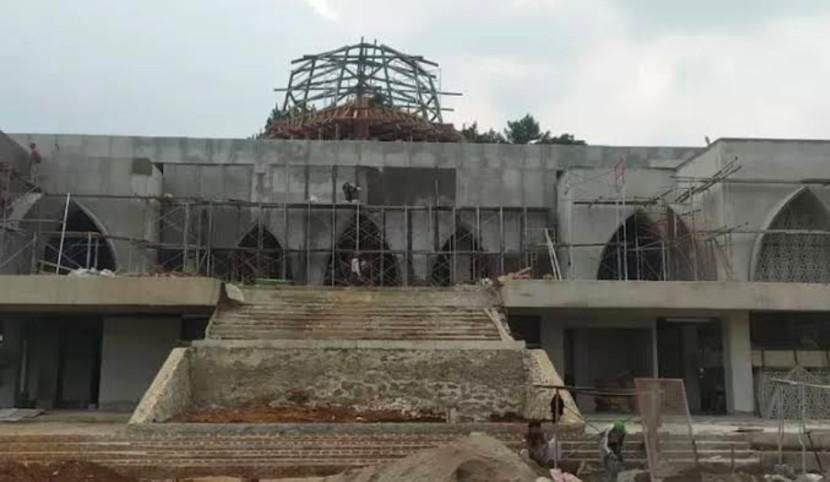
{"points": [[324, 8], [601, 69], [678, 89]]}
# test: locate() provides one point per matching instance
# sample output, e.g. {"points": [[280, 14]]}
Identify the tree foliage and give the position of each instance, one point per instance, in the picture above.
{"points": [[471, 134], [521, 131], [525, 130], [278, 114]]}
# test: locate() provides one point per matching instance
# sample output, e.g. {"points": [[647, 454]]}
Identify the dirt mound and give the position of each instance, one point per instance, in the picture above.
{"points": [[71, 471], [477, 458]]}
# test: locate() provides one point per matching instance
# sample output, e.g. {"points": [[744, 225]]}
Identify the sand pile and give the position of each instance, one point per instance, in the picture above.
{"points": [[477, 458]]}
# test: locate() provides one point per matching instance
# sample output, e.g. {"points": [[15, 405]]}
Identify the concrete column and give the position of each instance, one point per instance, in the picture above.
{"points": [[8, 373], [737, 363], [655, 357], [44, 351], [552, 334], [690, 366]]}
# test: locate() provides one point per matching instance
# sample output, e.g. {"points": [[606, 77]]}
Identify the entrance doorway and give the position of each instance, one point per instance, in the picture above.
{"points": [[692, 350], [60, 363]]}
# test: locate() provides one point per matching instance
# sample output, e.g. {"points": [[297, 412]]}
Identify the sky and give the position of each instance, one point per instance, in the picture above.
{"points": [[623, 72]]}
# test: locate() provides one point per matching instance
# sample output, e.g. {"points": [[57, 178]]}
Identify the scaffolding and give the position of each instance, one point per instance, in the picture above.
{"points": [[308, 243], [661, 237], [363, 91]]}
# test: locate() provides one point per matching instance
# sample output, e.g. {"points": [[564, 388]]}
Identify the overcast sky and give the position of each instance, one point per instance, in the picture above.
{"points": [[630, 72]]}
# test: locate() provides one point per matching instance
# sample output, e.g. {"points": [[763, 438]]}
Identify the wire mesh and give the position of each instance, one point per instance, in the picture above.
{"points": [[667, 426], [784, 400]]}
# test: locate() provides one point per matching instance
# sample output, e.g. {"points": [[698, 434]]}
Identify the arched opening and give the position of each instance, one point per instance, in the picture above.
{"points": [[365, 241], [798, 247], [461, 259], [84, 245], [635, 252], [260, 255]]}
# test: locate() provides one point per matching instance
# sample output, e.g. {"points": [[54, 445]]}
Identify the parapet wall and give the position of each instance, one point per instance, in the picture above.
{"points": [[481, 384]]}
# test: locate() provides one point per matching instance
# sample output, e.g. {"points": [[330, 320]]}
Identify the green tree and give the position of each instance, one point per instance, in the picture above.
{"points": [[565, 138], [278, 114], [471, 134], [525, 130]]}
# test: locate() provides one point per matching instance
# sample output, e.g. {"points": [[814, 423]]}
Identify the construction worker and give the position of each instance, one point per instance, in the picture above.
{"points": [[557, 407], [34, 162], [539, 448], [355, 269], [351, 192], [612, 447], [365, 271]]}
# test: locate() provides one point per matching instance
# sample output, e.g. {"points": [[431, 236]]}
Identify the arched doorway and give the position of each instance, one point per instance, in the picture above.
{"points": [[460, 259], [363, 238], [797, 256], [260, 255], [84, 245], [635, 252]]}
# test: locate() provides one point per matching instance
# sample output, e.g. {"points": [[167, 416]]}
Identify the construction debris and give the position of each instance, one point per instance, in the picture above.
{"points": [[526, 273]]}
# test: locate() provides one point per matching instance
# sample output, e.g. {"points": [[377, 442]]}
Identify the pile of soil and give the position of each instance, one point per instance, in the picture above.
{"points": [[477, 458], [262, 413], [70, 471]]}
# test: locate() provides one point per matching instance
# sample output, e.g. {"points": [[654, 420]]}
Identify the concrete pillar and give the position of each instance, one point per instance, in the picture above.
{"points": [[8, 373], [737, 363], [690, 366], [552, 334], [44, 351]]}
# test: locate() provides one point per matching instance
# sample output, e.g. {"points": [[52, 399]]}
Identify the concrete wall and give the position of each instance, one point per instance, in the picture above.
{"points": [[588, 227], [771, 173], [134, 348], [684, 297], [478, 381], [311, 171], [104, 294], [170, 393], [553, 178], [13, 153]]}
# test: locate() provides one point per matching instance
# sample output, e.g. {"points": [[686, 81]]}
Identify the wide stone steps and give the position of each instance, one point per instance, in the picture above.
{"points": [[364, 313], [292, 454]]}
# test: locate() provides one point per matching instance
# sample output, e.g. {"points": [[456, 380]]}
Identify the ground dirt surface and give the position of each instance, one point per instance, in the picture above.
{"points": [[63, 472], [262, 413]]}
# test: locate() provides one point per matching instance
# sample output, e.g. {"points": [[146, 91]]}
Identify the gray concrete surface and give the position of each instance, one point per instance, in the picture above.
{"points": [[363, 344], [106, 294], [170, 393], [667, 298], [477, 382], [134, 348]]}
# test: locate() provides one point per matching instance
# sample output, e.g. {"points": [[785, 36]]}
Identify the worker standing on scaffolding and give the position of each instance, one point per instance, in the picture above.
{"points": [[355, 275], [34, 162]]}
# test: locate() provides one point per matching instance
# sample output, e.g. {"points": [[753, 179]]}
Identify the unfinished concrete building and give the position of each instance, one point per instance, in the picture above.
{"points": [[704, 264], [713, 260]]}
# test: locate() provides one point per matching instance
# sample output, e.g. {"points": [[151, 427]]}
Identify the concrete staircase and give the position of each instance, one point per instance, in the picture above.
{"points": [[357, 314], [713, 451], [302, 452]]}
